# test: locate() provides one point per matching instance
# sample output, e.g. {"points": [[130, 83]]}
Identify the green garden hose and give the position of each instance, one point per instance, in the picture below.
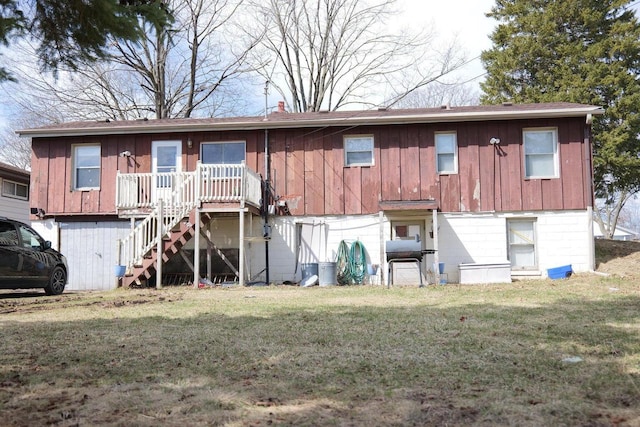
{"points": [[351, 263]]}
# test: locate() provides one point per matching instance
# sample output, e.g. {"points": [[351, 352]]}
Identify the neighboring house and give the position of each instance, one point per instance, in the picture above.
{"points": [[478, 185], [14, 194], [621, 233]]}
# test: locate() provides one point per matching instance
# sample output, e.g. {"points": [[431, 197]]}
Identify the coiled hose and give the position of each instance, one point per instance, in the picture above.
{"points": [[358, 262], [342, 264], [351, 263]]}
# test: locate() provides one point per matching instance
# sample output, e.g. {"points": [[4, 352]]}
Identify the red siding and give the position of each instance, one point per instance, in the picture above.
{"points": [[308, 170]]}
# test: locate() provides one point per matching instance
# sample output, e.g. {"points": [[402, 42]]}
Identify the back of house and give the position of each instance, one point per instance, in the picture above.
{"points": [[504, 190]]}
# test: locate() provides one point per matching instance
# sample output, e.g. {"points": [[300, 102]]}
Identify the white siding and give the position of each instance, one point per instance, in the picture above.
{"points": [[562, 238], [91, 251], [13, 208]]}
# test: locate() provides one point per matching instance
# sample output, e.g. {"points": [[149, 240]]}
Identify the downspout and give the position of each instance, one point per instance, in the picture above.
{"points": [[266, 189], [589, 196], [265, 205]]}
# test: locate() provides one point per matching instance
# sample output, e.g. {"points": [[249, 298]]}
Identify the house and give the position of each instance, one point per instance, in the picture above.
{"points": [[621, 233], [481, 185], [14, 194]]}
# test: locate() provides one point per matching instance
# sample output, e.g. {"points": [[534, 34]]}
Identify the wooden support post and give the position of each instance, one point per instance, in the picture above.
{"points": [[196, 250], [436, 256], [383, 265], [159, 231], [241, 251]]}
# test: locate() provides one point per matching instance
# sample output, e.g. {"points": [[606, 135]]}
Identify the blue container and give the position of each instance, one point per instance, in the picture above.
{"points": [[560, 272], [119, 270]]}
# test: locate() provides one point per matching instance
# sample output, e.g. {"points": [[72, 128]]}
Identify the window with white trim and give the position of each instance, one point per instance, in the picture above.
{"points": [[446, 152], [540, 153], [15, 190], [224, 153], [86, 167], [522, 244], [358, 150]]}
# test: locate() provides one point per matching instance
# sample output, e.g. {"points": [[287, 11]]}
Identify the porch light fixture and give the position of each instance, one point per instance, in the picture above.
{"points": [[189, 143], [39, 212], [494, 141]]}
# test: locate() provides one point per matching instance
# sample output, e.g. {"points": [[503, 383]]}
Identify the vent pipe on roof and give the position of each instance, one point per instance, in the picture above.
{"points": [[445, 107]]}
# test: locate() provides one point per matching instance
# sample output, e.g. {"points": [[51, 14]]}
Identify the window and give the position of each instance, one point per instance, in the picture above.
{"points": [[522, 244], [223, 153], [358, 150], [86, 171], [29, 238], [15, 190], [446, 152], [540, 153]]}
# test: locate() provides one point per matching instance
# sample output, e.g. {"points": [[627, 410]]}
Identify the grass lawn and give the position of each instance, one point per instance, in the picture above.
{"points": [[534, 353]]}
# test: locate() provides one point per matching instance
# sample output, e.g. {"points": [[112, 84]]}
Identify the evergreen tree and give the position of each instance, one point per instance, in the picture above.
{"points": [[584, 51], [71, 31]]}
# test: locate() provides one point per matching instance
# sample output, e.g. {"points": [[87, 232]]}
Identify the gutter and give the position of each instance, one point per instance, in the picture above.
{"points": [[274, 122]]}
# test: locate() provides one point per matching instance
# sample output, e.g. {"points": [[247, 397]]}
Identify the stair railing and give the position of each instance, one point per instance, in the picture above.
{"points": [[179, 203]]}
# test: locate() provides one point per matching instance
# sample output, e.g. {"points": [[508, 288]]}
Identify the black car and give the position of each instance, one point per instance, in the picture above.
{"points": [[28, 261]]}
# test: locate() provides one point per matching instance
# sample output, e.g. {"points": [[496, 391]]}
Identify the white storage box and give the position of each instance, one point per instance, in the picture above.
{"points": [[485, 273]]}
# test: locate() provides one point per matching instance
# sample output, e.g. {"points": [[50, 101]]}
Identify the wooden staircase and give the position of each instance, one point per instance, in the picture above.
{"points": [[139, 273], [165, 224]]}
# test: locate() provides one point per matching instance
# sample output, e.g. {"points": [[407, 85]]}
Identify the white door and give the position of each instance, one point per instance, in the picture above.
{"points": [[407, 273], [166, 158]]}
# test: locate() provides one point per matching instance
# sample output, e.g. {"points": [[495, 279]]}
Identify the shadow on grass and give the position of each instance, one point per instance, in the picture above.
{"points": [[417, 365], [12, 294]]}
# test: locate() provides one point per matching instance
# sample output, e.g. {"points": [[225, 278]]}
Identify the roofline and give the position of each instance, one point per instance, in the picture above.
{"points": [[355, 120]]}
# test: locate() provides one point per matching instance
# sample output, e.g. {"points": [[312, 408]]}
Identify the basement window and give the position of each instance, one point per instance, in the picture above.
{"points": [[15, 190], [358, 150], [86, 167]]}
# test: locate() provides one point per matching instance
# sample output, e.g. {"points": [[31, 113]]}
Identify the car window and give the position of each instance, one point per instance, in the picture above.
{"points": [[29, 238], [8, 234]]}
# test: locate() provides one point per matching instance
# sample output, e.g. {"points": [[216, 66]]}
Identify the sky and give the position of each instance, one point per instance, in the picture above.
{"points": [[462, 19]]}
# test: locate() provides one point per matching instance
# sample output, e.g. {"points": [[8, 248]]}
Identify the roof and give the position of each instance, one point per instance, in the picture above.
{"points": [[11, 172], [279, 120]]}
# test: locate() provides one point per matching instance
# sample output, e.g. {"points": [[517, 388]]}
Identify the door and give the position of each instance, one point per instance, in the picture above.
{"points": [[166, 160], [407, 273]]}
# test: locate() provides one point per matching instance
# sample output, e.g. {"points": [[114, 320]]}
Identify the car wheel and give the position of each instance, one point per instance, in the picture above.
{"points": [[57, 281]]}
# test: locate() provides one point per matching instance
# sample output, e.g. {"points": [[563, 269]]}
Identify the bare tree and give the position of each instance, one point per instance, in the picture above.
{"points": [[437, 94], [15, 150], [192, 68], [608, 212], [327, 54]]}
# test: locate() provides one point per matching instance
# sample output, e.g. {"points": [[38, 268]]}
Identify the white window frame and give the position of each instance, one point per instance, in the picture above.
{"points": [[14, 194], [203, 144], [533, 244], [76, 167], [449, 153], [361, 138], [526, 156], [225, 173]]}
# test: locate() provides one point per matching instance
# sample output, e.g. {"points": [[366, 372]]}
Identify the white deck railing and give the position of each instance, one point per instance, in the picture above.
{"points": [[208, 183], [180, 192]]}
